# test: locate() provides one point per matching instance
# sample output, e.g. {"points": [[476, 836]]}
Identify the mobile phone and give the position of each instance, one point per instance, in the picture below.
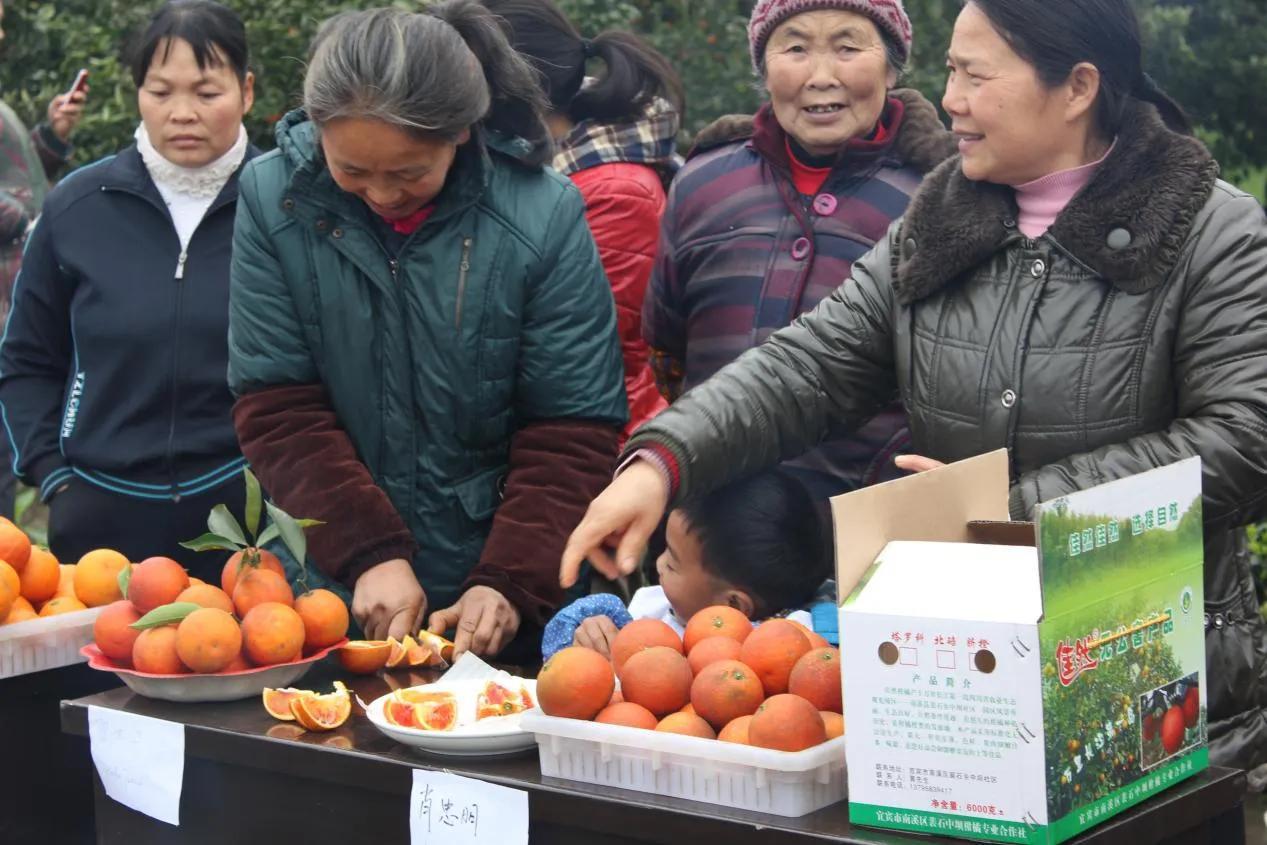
{"points": [[81, 82]]}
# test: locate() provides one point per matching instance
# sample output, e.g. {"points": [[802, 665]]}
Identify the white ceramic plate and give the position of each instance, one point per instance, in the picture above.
{"points": [[498, 735]]}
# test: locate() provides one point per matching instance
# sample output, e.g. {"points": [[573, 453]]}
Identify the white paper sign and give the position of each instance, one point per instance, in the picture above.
{"points": [[446, 809], [141, 761]]}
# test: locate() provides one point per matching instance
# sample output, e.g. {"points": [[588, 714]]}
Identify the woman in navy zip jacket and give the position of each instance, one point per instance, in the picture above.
{"points": [[114, 359]]}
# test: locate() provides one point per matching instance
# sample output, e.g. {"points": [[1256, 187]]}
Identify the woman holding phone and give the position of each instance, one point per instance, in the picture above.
{"points": [[112, 369]]}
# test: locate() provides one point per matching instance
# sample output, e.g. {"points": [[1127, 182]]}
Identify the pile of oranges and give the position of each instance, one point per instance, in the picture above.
{"points": [[774, 686], [34, 584], [170, 624]]}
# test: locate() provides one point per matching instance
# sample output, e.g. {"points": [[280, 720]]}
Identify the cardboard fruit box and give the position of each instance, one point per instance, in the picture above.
{"points": [[1016, 682]]}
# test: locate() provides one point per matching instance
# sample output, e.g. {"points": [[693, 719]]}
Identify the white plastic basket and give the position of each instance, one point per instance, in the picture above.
{"points": [[47, 643], [781, 783]]}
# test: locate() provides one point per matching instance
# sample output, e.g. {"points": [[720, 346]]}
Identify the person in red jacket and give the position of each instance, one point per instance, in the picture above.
{"points": [[616, 138]]}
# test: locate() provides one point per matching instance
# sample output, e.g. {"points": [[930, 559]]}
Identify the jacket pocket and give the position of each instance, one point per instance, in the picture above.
{"points": [[481, 494]]}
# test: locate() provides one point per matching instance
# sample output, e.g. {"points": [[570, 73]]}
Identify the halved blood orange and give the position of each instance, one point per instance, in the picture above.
{"points": [[440, 647], [422, 709], [365, 657], [400, 713], [323, 712], [277, 701], [398, 651]]}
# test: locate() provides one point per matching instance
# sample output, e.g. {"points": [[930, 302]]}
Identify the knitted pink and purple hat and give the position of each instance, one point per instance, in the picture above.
{"points": [[888, 15]]}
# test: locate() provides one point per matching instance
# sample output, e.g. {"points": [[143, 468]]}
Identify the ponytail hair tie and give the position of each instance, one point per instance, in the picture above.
{"points": [[587, 47]]}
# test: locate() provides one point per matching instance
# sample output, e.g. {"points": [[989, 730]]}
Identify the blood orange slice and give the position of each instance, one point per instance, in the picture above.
{"points": [[277, 702], [398, 651], [323, 712]]}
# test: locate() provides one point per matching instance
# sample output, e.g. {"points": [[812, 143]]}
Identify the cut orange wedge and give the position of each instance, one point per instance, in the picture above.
{"points": [[365, 657], [323, 712], [422, 709], [442, 648], [398, 651], [277, 701]]}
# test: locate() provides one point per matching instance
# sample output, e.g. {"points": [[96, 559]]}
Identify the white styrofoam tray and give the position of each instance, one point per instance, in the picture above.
{"points": [[781, 783], [45, 643]]}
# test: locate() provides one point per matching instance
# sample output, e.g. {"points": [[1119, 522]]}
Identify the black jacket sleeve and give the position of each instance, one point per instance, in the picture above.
{"points": [[35, 362]]}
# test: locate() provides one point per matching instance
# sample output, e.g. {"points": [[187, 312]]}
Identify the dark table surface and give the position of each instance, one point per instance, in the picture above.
{"points": [[248, 777]]}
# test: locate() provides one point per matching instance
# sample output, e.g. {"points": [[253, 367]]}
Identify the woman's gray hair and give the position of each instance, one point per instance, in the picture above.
{"points": [[370, 65], [433, 73]]}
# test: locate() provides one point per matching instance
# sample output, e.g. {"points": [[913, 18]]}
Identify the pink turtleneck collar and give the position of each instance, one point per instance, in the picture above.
{"points": [[1041, 201]]}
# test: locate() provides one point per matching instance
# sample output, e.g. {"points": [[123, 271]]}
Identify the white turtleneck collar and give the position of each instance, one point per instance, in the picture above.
{"points": [[189, 191]]}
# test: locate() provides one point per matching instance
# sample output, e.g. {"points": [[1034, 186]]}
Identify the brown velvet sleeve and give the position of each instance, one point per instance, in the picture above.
{"points": [[557, 467], [307, 464]]}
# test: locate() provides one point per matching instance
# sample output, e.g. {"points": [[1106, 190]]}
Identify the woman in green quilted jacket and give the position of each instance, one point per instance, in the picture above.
{"points": [[422, 339]]}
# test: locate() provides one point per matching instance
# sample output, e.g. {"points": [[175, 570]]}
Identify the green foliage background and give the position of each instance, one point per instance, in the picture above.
{"points": [[1208, 53]]}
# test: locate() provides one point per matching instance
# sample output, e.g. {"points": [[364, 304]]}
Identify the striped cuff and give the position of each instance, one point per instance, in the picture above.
{"points": [[55, 479]]}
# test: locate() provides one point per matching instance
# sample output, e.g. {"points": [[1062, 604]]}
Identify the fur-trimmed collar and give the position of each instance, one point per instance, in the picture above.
{"points": [[922, 141], [1128, 224]]}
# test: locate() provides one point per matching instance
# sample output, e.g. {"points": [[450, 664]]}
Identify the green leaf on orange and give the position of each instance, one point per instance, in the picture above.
{"points": [[165, 615]]}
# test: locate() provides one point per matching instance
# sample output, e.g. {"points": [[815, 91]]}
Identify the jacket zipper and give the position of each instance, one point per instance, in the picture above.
{"points": [[171, 431], [181, 262], [463, 269]]}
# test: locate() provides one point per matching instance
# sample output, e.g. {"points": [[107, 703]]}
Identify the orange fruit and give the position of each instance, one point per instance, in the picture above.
{"points": [[688, 708], [686, 724], [229, 574], [712, 649], [772, 650], [628, 714], [364, 657], [156, 581], [815, 640], [786, 723], [10, 578], [61, 604], [155, 652], [816, 678], [208, 639], [21, 611], [398, 651], [7, 597], [716, 621], [658, 678], [195, 582], [833, 723], [736, 731], [640, 634], [277, 701], [257, 586], [325, 618], [15, 546], [272, 633], [112, 632], [97, 577], [575, 683], [65, 578], [726, 690], [42, 577], [205, 595], [323, 712], [238, 664]]}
